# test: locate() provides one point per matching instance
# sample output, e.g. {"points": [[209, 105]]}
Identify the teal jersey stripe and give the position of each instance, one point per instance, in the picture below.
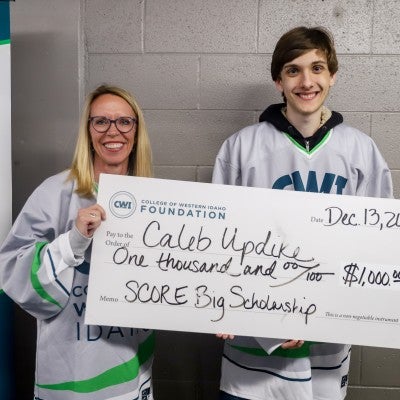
{"points": [[267, 371], [122, 373], [4, 22], [35, 279]]}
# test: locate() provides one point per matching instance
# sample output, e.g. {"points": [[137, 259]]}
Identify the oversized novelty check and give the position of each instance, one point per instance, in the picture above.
{"points": [[210, 258]]}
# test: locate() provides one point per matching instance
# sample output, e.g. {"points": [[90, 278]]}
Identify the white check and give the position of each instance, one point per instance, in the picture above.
{"points": [[210, 258]]}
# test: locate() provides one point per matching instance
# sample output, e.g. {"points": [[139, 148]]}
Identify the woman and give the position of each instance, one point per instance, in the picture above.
{"points": [[44, 262]]}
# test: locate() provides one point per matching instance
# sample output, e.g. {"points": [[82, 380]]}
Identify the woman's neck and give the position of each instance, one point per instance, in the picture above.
{"points": [[121, 169]]}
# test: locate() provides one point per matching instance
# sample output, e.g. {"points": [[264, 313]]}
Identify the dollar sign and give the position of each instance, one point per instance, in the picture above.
{"points": [[350, 276]]}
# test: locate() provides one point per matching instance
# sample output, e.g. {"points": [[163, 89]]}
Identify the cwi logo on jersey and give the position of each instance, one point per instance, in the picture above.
{"points": [[331, 183]]}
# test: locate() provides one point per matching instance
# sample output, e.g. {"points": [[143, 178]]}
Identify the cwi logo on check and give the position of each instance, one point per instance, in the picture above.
{"points": [[122, 204]]}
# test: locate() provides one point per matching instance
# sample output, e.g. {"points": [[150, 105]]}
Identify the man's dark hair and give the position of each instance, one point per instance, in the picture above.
{"points": [[299, 41]]}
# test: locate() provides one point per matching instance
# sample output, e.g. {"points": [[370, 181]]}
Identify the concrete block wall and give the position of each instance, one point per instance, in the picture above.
{"points": [[200, 70]]}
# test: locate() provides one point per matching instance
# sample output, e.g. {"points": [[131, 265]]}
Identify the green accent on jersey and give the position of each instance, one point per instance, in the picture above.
{"points": [[302, 352], [5, 41], [122, 373], [35, 279], [303, 149], [1, 291]]}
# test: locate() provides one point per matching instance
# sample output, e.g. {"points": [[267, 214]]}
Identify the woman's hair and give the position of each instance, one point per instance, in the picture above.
{"points": [[300, 40], [140, 159]]}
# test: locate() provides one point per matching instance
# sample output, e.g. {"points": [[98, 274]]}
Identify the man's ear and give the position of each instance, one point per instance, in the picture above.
{"points": [[333, 80], [278, 85]]}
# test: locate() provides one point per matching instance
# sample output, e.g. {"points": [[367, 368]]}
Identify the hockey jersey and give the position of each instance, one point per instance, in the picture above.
{"points": [[40, 272], [273, 154]]}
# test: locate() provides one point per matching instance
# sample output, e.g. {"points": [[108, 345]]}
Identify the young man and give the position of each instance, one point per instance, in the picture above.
{"points": [[298, 145]]}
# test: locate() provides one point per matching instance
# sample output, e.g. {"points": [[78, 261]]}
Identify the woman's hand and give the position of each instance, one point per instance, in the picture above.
{"points": [[89, 219]]}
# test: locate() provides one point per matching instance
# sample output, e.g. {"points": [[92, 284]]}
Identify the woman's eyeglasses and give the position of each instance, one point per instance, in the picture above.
{"points": [[103, 124]]}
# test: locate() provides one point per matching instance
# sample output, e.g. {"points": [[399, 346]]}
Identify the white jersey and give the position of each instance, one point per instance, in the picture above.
{"points": [[40, 273], [344, 161]]}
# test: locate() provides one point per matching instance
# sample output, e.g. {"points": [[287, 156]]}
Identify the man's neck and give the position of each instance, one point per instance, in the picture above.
{"points": [[307, 125]]}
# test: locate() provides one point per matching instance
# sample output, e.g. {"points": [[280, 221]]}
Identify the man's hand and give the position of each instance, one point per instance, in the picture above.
{"points": [[292, 344], [224, 336]]}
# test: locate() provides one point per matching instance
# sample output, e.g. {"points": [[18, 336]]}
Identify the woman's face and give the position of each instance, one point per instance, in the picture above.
{"points": [[112, 148]]}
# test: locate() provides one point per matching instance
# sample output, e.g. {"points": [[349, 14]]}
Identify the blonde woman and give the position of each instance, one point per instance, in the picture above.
{"points": [[44, 262]]}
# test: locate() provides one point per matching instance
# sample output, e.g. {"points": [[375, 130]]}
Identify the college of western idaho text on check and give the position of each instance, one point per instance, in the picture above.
{"points": [[210, 258]]}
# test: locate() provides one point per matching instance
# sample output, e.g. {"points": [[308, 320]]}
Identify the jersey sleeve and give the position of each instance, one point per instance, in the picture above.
{"points": [[227, 169], [36, 259], [380, 182]]}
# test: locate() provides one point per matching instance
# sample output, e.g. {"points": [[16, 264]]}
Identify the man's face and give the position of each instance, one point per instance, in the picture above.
{"points": [[305, 82]]}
